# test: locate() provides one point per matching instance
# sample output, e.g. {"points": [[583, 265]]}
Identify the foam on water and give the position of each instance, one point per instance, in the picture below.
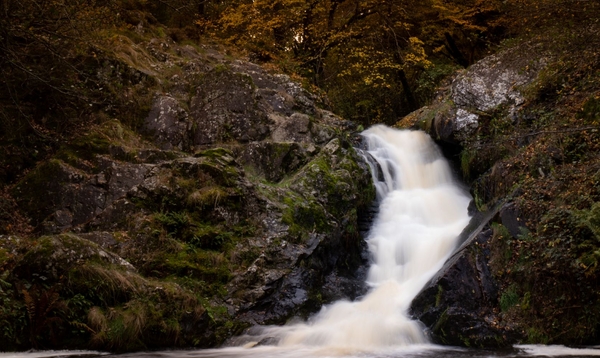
{"points": [[422, 211], [558, 351]]}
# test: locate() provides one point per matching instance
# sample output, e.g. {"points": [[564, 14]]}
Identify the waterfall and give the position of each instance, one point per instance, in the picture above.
{"points": [[421, 212]]}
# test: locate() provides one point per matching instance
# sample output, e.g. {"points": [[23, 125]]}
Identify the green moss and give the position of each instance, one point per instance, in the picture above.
{"points": [[207, 266], [465, 340], [526, 301], [591, 219], [224, 175], [211, 238], [175, 223], [466, 160], [439, 295], [81, 151], [590, 113], [4, 256], [536, 336], [220, 165], [218, 153], [33, 187], [247, 79], [198, 253], [206, 197], [438, 328], [221, 68], [303, 215], [89, 145], [509, 298]]}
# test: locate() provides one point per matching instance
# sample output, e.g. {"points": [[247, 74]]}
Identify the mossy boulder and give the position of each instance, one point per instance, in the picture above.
{"points": [[498, 80]]}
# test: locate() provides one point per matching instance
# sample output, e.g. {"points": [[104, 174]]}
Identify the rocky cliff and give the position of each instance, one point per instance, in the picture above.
{"points": [[211, 194], [525, 125], [235, 201]]}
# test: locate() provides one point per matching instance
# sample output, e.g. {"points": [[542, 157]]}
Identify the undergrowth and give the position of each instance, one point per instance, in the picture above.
{"points": [[546, 159]]}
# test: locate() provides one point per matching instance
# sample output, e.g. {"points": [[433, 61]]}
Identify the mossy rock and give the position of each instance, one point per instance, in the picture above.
{"points": [[39, 190], [52, 256]]}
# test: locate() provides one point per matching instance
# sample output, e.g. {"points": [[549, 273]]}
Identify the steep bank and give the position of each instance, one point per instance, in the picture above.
{"points": [[137, 172], [234, 201], [526, 124]]}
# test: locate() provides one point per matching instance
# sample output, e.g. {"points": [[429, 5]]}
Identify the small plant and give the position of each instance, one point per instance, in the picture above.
{"points": [[466, 159], [45, 311], [509, 298], [174, 222], [536, 336]]}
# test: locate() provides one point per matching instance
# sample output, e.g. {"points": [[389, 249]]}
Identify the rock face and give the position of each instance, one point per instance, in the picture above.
{"points": [[241, 209], [467, 280], [459, 305], [496, 81], [527, 142]]}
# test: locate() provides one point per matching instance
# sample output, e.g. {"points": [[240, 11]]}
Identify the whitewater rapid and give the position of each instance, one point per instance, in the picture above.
{"points": [[422, 211]]}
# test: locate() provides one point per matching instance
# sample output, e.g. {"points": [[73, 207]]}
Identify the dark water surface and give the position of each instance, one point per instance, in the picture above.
{"points": [[420, 351]]}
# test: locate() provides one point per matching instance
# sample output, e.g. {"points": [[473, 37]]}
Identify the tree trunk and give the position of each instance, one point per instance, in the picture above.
{"points": [[202, 8], [410, 98], [454, 51]]}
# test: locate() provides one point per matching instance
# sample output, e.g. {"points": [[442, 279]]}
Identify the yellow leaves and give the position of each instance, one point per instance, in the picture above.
{"points": [[416, 53], [439, 49], [414, 41]]}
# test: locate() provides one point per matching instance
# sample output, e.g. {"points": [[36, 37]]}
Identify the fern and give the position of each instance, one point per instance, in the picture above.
{"points": [[44, 311]]}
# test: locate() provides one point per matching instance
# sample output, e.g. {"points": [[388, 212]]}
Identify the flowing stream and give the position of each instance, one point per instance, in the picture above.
{"points": [[422, 210]]}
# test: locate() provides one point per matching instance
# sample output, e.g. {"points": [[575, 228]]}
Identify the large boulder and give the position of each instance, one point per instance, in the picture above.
{"points": [[494, 83], [459, 304]]}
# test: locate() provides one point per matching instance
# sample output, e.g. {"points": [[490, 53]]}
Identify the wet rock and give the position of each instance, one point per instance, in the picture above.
{"points": [[458, 307], [493, 81], [114, 217], [103, 238], [72, 197], [459, 304], [324, 195], [296, 128], [226, 108], [239, 102], [168, 124], [245, 190], [123, 177], [510, 217], [273, 160]]}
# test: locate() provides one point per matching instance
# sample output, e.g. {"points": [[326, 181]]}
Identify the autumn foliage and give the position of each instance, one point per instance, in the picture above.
{"points": [[376, 60], [368, 55]]}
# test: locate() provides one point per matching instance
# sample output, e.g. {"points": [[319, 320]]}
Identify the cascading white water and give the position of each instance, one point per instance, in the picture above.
{"points": [[422, 211], [421, 214]]}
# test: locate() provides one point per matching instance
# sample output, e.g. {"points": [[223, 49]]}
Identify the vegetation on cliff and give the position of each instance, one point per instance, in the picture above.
{"points": [[526, 125], [118, 122], [161, 194], [546, 161]]}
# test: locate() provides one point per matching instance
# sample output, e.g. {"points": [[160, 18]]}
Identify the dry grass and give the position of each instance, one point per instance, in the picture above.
{"points": [[206, 197]]}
